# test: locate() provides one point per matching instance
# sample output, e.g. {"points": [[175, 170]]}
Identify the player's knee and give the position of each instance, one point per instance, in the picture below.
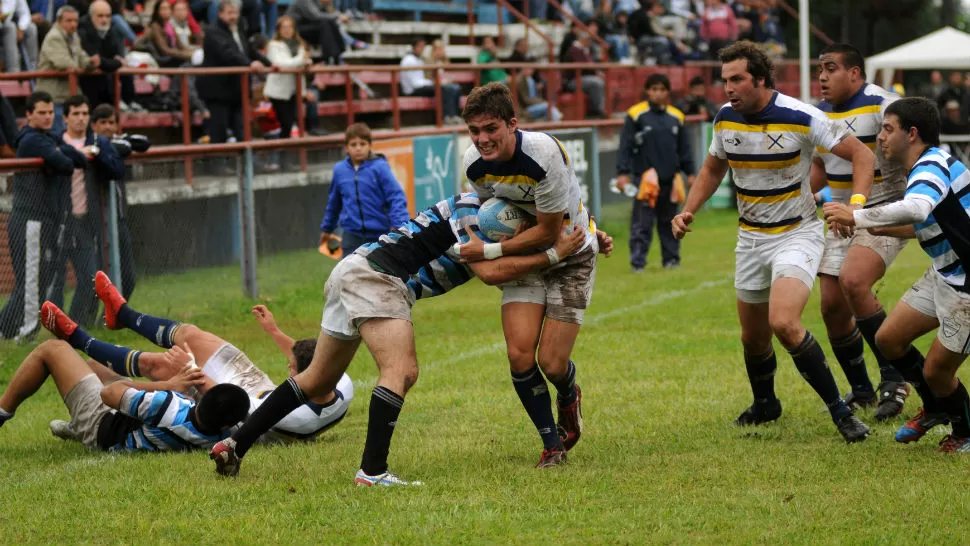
{"points": [[939, 380], [755, 342], [854, 286], [554, 367], [520, 359], [788, 329], [889, 345], [187, 332], [52, 346]]}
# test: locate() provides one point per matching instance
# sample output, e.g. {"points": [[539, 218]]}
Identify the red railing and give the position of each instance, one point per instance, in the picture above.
{"points": [[529, 25]]}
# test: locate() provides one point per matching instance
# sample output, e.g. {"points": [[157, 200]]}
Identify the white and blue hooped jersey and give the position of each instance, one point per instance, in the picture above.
{"points": [[862, 116], [165, 423], [447, 271], [770, 153], [944, 181]]}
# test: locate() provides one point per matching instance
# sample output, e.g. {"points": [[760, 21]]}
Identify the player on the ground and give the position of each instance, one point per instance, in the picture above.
{"points": [[768, 140], [936, 211], [221, 361], [852, 263], [542, 312], [112, 413], [368, 298]]}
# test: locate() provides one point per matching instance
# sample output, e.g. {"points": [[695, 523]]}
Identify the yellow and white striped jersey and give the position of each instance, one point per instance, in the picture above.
{"points": [[862, 116], [770, 154]]}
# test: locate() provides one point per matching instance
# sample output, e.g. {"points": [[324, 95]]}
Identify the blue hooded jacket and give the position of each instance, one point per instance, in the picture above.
{"points": [[367, 200]]}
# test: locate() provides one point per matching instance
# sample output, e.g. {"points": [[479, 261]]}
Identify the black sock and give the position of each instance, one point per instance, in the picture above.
{"points": [[850, 352], [869, 326], [810, 361], [284, 399], [122, 360], [385, 406], [761, 375], [566, 387], [534, 394], [910, 368], [160, 331], [957, 407], [5, 416]]}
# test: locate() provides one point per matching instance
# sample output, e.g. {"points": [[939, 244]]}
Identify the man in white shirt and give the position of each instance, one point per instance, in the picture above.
{"points": [[17, 28], [414, 83]]}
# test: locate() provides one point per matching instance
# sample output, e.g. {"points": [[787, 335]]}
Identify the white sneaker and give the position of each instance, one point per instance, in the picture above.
{"points": [[63, 429], [135, 107], [123, 106], [386, 479]]}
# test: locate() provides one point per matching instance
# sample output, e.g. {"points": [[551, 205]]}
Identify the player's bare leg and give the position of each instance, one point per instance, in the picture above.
{"points": [[522, 325], [51, 358], [846, 341], [555, 347], [862, 269]]}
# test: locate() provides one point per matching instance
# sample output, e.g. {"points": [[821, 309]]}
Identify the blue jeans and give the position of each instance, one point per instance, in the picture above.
{"points": [[125, 28], [620, 45], [270, 12], [59, 124], [540, 112], [450, 97]]}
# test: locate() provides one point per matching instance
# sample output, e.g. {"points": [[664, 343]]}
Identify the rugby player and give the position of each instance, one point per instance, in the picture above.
{"points": [[936, 211], [541, 312], [221, 361], [112, 413], [768, 140], [368, 297], [852, 264]]}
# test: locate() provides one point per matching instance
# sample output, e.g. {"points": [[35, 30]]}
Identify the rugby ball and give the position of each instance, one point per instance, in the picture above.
{"points": [[498, 218]]}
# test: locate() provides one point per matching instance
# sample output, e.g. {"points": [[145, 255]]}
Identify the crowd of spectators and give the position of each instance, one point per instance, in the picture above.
{"points": [[953, 99]]}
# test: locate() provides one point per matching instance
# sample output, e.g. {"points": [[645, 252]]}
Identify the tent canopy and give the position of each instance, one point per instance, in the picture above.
{"points": [[945, 48]]}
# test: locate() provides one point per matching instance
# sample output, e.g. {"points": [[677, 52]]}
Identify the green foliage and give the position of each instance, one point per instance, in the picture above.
{"points": [[660, 365]]}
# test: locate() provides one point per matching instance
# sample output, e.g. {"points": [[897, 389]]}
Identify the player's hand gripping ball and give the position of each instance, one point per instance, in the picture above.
{"points": [[498, 218]]}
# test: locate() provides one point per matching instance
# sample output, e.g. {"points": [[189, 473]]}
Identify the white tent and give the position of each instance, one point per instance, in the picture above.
{"points": [[944, 48]]}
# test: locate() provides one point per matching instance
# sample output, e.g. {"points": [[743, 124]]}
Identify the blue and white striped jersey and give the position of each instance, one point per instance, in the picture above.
{"points": [[945, 235], [165, 423], [447, 271]]}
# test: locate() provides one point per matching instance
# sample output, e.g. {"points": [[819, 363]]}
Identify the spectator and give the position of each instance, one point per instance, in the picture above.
{"points": [[188, 33], [104, 121], [613, 32], [489, 54], [18, 31], [365, 198], [653, 151], [532, 107], [41, 199], [935, 87], [62, 52], [249, 11], [8, 129], [652, 44], [319, 27], [161, 40], [593, 83], [286, 50], [270, 12], [719, 28], [358, 9], [595, 51], [224, 46], [101, 36], [83, 232], [520, 52], [415, 84], [955, 91], [696, 102], [42, 13], [954, 122]]}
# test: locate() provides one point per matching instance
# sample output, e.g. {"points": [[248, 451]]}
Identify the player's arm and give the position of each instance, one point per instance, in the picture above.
{"points": [[510, 268], [899, 232], [113, 393], [863, 166], [541, 235], [268, 323], [906, 212], [817, 176], [707, 182]]}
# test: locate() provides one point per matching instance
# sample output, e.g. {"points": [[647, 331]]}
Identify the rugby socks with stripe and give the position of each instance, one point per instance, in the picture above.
{"points": [[957, 407], [869, 326], [284, 399], [160, 331], [910, 367], [385, 407], [849, 351], [534, 394], [761, 375], [810, 361], [122, 360], [566, 386]]}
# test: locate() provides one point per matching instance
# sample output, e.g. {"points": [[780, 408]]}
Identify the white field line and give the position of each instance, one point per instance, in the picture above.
{"points": [[596, 319]]}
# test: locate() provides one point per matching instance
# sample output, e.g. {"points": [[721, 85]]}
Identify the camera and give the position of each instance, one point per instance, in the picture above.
{"points": [[125, 144]]}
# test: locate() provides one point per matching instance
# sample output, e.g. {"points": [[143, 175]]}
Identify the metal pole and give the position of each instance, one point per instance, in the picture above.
{"points": [[803, 50], [247, 226], [114, 249], [594, 174]]}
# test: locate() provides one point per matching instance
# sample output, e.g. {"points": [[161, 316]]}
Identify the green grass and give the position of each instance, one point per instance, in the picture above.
{"points": [[660, 365]]}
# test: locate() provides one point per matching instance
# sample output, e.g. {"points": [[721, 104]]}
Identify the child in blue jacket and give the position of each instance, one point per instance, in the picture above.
{"points": [[365, 198]]}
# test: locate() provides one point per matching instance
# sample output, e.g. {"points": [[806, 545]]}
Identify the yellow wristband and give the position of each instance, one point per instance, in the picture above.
{"points": [[857, 199]]}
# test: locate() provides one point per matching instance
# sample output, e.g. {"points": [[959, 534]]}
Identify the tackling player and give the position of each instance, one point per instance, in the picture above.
{"points": [[852, 264], [541, 312], [221, 361], [936, 211], [768, 139]]}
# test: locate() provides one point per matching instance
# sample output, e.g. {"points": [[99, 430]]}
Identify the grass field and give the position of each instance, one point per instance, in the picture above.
{"points": [[661, 370]]}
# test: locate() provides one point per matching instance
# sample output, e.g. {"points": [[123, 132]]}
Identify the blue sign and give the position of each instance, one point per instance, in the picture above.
{"points": [[434, 173]]}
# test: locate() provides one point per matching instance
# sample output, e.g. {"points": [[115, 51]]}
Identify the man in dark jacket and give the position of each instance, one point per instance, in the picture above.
{"points": [[319, 26], [226, 45], [83, 237], [653, 139], [100, 36], [696, 102], [41, 199]]}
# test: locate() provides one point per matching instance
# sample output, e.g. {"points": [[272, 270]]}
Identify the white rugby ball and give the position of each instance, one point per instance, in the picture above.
{"points": [[498, 218]]}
